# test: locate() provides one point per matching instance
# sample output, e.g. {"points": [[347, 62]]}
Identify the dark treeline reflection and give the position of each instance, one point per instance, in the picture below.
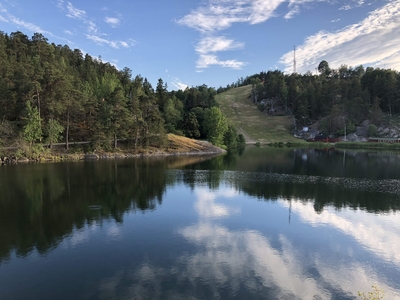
{"points": [[42, 204], [327, 177]]}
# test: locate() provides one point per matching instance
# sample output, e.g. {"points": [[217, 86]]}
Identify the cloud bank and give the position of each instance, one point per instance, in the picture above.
{"points": [[373, 41]]}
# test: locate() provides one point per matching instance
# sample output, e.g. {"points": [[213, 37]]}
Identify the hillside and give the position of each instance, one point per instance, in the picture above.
{"points": [[253, 124]]}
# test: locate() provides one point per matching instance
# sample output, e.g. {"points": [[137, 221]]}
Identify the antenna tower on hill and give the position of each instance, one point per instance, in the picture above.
{"points": [[294, 60]]}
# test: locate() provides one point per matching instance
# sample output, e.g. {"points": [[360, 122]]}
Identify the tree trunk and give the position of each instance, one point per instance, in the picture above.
{"points": [[137, 137], [38, 100], [115, 141], [67, 130]]}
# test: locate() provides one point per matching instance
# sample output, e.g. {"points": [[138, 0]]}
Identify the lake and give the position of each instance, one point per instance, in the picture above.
{"points": [[265, 223]]}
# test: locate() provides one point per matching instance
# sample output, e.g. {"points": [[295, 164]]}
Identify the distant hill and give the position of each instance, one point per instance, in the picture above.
{"points": [[252, 123]]}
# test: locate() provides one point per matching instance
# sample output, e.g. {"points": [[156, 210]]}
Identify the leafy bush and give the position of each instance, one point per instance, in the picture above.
{"points": [[372, 130]]}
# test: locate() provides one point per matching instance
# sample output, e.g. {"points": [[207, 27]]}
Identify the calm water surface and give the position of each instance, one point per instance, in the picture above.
{"points": [[268, 223]]}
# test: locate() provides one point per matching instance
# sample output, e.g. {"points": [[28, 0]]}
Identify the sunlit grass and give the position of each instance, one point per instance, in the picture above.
{"points": [[253, 124]]}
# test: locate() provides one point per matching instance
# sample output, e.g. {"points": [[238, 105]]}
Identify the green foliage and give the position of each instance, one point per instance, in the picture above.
{"points": [[230, 137], [32, 131], [215, 126], [372, 130], [54, 130], [241, 140], [376, 294], [190, 126]]}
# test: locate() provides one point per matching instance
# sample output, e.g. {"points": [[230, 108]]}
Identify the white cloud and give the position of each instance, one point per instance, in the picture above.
{"points": [[179, 84], [93, 32], [218, 15], [74, 12], [357, 3], [215, 44], [114, 44], [206, 60], [355, 44], [294, 11], [114, 22], [221, 14], [9, 18]]}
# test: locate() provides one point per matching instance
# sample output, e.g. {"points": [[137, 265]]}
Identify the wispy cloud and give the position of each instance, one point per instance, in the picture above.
{"points": [[6, 16], [206, 60], [74, 12], [357, 3], [113, 22], [114, 44], [221, 14], [355, 44], [179, 84], [93, 31], [217, 15], [215, 44], [10, 18]]}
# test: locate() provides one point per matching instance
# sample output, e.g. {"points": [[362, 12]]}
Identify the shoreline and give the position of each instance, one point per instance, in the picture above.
{"points": [[178, 146]]}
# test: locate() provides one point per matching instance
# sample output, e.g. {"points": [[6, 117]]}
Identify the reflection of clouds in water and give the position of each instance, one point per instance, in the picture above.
{"points": [[234, 258], [226, 261], [79, 237], [206, 206], [114, 232], [82, 235], [379, 234]]}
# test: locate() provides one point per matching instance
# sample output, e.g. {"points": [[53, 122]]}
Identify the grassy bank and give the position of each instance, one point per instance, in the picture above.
{"points": [[252, 123], [366, 145], [175, 145]]}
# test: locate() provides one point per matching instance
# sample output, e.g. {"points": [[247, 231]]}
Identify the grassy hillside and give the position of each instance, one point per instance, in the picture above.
{"points": [[253, 124]]}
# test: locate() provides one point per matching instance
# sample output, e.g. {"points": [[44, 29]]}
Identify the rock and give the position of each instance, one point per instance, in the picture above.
{"points": [[386, 131], [22, 160], [352, 137], [365, 123], [393, 133], [362, 131], [91, 156]]}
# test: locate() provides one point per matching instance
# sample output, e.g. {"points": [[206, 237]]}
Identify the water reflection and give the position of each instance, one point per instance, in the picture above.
{"points": [[211, 229], [378, 234], [244, 259]]}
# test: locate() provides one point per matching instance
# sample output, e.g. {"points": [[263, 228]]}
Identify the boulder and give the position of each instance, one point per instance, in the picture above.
{"points": [[91, 156], [352, 137], [22, 160], [365, 123], [362, 131]]}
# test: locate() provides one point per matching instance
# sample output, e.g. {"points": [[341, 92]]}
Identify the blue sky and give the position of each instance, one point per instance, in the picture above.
{"points": [[215, 42]]}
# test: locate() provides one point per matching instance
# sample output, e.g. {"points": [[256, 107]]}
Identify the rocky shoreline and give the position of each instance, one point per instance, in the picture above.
{"points": [[361, 133], [207, 150]]}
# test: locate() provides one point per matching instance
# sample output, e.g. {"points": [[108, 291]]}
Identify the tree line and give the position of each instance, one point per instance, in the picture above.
{"points": [[338, 98], [51, 93]]}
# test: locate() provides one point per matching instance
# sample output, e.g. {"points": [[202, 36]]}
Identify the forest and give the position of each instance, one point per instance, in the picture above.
{"points": [[50, 93], [336, 98]]}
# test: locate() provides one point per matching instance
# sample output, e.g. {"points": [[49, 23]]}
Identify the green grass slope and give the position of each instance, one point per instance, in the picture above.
{"points": [[253, 124]]}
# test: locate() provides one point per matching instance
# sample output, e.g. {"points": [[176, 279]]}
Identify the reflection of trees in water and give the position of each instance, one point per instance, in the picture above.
{"points": [[41, 204], [371, 195]]}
